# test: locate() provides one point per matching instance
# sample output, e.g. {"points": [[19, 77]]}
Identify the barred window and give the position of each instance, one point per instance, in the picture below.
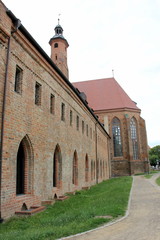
{"points": [[87, 130], [133, 129], [18, 80], [63, 112], [77, 122], [38, 93], [91, 133], [52, 103], [117, 142], [71, 117], [82, 126]]}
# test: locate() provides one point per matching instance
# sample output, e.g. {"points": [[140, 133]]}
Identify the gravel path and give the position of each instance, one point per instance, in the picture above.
{"points": [[143, 221]]}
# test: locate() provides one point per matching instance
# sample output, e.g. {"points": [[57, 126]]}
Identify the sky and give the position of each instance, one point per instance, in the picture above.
{"points": [[105, 35]]}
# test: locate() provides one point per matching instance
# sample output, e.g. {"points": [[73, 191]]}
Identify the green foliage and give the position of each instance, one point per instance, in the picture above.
{"points": [[76, 214], [154, 154]]}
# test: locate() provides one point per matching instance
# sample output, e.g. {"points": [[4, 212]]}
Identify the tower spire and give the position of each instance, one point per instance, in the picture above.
{"points": [[59, 47], [59, 18]]}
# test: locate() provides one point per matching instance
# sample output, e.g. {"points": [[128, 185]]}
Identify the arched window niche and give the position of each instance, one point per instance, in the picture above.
{"points": [[134, 138], [75, 169], [24, 167], [57, 167], [117, 141]]}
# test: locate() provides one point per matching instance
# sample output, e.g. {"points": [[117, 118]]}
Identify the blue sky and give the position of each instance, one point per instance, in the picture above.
{"points": [[123, 35]]}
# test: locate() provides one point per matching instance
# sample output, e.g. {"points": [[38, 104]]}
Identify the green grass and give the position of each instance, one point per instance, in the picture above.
{"points": [[150, 172], [147, 175], [158, 181], [74, 215]]}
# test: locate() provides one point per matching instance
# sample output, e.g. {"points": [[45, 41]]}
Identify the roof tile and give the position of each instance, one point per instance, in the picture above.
{"points": [[105, 94]]}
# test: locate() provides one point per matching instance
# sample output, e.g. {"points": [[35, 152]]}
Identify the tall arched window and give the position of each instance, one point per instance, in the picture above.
{"points": [[86, 168], [24, 170], [117, 142], [20, 169], [75, 169], [57, 168], [134, 139]]}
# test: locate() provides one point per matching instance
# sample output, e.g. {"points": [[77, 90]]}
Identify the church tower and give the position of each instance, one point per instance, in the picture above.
{"points": [[59, 47]]}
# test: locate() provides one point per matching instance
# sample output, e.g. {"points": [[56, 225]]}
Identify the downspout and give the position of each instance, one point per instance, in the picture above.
{"points": [[17, 24], [2, 121], [96, 149]]}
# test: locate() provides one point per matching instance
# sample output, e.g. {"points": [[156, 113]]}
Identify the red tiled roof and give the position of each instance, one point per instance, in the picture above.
{"points": [[105, 94]]}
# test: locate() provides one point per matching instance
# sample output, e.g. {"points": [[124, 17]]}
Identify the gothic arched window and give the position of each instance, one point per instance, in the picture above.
{"points": [[24, 171], [117, 142], [75, 169], [57, 167], [133, 129]]}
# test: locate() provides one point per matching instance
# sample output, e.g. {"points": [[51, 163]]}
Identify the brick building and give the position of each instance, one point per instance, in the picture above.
{"points": [[122, 120], [52, 142]]}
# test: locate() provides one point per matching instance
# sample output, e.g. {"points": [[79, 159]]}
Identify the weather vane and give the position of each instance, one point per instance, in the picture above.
{"points": [[59, 17], [113, 73]]}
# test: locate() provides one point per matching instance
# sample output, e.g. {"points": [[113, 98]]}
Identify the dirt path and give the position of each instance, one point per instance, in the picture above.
{"points": [[143, 221]]}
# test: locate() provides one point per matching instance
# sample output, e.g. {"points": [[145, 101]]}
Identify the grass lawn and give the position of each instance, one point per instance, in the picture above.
{"points": [[76, 214], [147, 175], [158, 181]]}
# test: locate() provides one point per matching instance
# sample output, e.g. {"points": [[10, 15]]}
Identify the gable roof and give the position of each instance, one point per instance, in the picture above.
{"points": [[105, 94]]}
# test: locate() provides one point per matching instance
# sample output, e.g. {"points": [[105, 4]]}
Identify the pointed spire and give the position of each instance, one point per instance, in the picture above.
{"points": [[59, 18]]}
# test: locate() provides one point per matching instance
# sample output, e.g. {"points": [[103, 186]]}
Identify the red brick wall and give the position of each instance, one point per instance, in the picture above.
{"points": [[42, 130], [125, 165]]}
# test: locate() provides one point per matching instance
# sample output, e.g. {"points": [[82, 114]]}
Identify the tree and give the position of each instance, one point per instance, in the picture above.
{"points": [[154, 155]]}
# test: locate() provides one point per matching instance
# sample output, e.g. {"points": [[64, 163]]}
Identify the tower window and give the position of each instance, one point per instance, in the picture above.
{"points": [[38, 93], [56, 45], [58, 31], [63, 112], [18, 80]]}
